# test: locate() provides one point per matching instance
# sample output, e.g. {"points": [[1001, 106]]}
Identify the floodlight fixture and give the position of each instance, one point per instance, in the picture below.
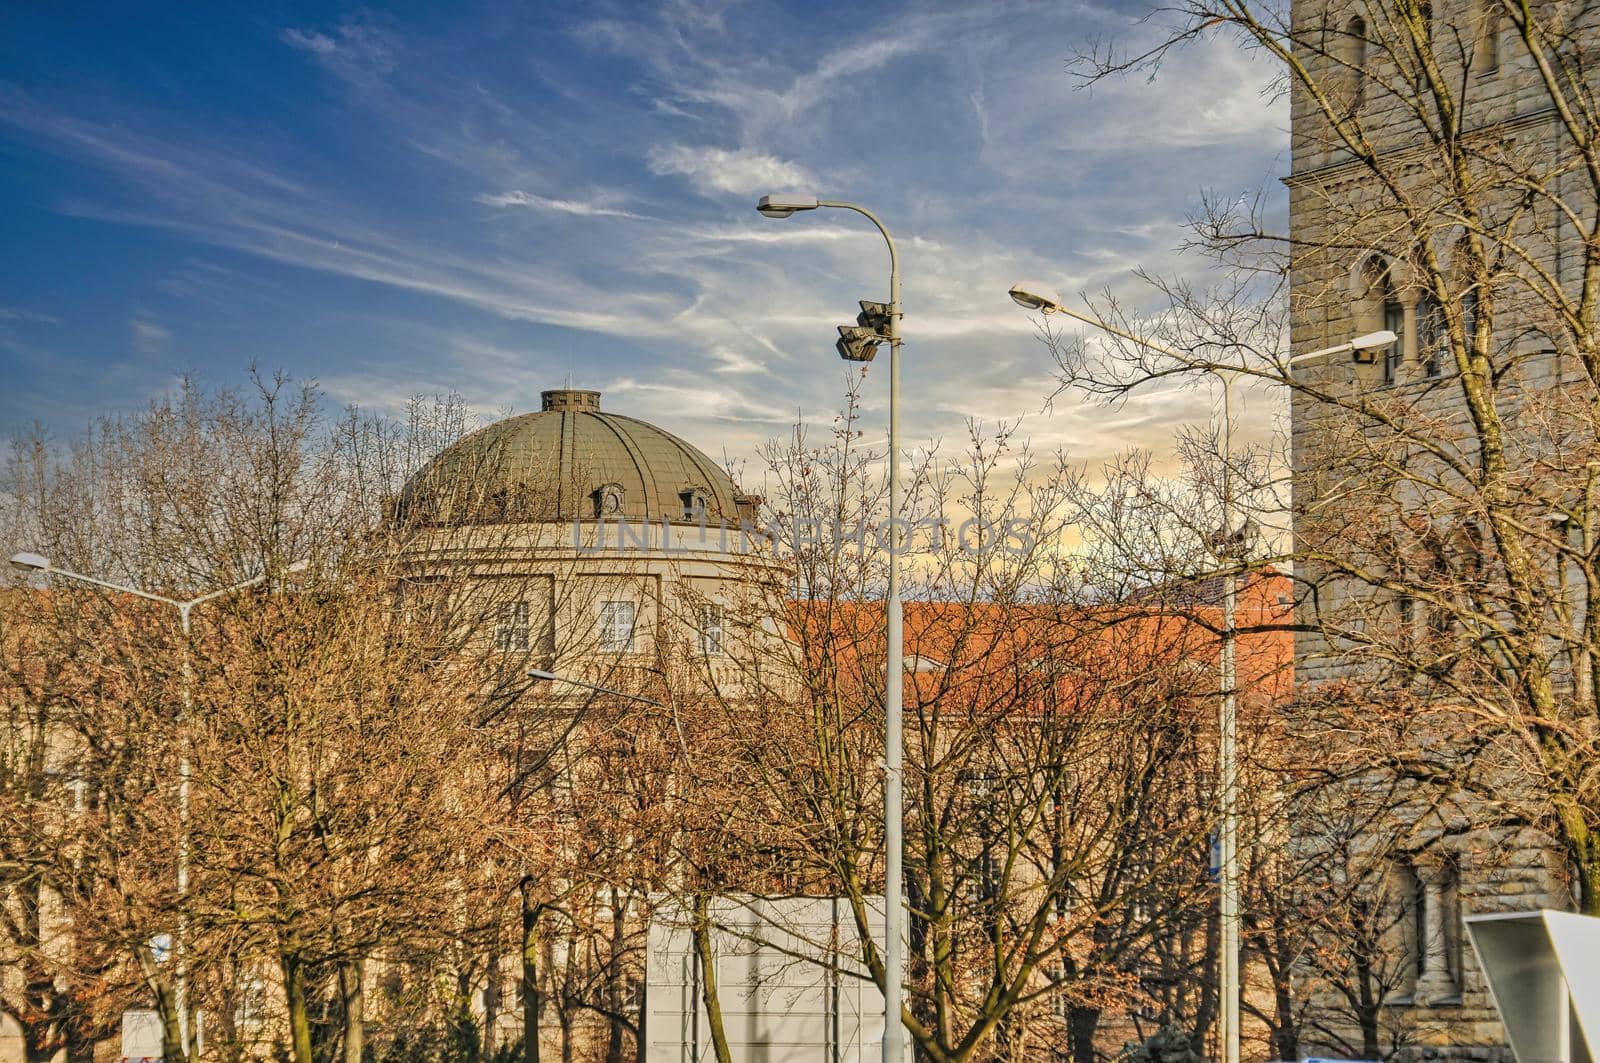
{"points": [[858, 343]]}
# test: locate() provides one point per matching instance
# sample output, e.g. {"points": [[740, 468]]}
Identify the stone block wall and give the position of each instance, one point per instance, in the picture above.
{"points": [[1334, 210]]}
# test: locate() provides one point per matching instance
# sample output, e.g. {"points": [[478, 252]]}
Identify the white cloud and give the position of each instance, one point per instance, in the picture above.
{"points": [[149, 337], [16, 313], [578, 207], [319, 44], [356, 51], [737, 171], [984, 161]]}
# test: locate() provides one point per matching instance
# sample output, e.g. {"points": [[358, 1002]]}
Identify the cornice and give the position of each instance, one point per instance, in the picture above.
{"points": [[1335, 171]]}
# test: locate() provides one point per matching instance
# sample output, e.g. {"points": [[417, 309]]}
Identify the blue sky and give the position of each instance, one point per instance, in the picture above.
{"points": [[490, 197]]}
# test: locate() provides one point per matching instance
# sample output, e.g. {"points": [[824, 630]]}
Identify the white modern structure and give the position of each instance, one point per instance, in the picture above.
{"points": [[790, 981], [1543, 970]]}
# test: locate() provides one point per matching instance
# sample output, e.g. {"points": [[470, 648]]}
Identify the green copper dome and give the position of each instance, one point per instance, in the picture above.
{"points": [[571, 461]]}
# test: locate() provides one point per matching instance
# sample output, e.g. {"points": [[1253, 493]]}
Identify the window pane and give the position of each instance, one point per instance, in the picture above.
{"points": [[1431, 335], [511, 627], [1394, 319], [711, 630], [616, 626]]}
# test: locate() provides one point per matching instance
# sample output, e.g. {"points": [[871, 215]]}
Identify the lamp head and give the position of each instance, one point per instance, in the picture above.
{"points": [[297, 567], [1031, 295], [1373, 340], [32, 561], [539, 673], [785, 205]]}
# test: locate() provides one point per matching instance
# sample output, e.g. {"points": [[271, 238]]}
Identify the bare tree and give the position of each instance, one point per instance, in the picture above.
{"points": [[1055, 835], [1446, 175]]}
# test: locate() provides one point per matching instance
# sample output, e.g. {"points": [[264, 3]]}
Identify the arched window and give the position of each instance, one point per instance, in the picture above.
{"points": [[1489, 27], [1433, 337], [1355, 57], [1394, 319], [1375, 304]]}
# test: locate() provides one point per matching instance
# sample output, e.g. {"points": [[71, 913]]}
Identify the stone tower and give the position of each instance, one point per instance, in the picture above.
{"points": [[1432, 178]]}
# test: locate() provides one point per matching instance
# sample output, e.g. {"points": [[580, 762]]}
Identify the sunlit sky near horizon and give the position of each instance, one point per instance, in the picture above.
{"points": [[492, 198]]}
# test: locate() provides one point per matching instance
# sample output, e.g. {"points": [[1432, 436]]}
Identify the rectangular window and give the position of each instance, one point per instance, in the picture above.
{"points": [[616, 626], [711, 630], [511, 627], [250, 1005], [1060, 1002], [985, 885]]}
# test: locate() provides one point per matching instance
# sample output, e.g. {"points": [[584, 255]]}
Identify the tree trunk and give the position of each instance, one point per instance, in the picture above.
{"points": [[352, 996], [531, 1002], [1285, 1038], [38, 1015], [708, 978], [167, 1011], [294, 999], [491, 1000], [614, 982], [1082, 1026], [1588, 864]]}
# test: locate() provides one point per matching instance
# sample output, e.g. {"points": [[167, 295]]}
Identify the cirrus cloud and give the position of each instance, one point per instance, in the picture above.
{"points": [[581, 208], [725, 171]]}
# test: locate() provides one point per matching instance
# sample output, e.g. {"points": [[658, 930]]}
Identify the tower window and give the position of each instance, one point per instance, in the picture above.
{"points": [[1432, 338], [616, 626], [1394, 320], [1489, 42], [694, 504], [1356, 58]]}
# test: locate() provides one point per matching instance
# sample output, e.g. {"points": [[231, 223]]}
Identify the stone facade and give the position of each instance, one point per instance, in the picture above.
{"points": [[1349, 278]]}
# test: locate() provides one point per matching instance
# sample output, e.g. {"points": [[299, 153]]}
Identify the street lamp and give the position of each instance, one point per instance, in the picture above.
{"points": [[783, 206], [551, 677], [1032, 296], [185, 606], [879, 323]]}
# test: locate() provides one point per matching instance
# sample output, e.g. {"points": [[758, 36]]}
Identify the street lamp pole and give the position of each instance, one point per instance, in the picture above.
{"points": [[893, 761], [1034, 297], [551, 677], [185, 607], [1227, 757]]}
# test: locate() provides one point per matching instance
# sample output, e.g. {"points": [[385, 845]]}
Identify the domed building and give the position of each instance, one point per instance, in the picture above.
{"points": [[572, 461], [608, 542]]}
